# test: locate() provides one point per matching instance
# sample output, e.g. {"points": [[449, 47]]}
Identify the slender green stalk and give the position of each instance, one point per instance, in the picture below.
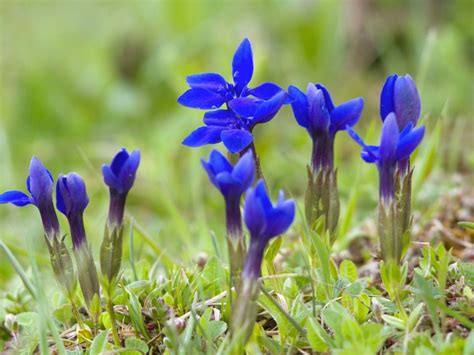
{"points": [[110, 310]]}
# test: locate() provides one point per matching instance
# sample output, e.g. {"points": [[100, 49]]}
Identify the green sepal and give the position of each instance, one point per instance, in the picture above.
{"points": [[61, 262], [87, 273], [322, 200], [111, 252]]}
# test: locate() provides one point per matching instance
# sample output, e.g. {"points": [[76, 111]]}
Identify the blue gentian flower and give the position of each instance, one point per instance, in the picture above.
{"points": [[232, 182], [119, 176], [40, 185], [245, 107], [316, 112], [72, 200], [264, 221], [394, 147], [400, 96]]}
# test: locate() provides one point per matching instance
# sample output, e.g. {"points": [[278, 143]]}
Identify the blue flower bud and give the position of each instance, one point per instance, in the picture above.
{"points": [[72, 200], [40, 185], [264, 221], [119, 176], [400, 96]]}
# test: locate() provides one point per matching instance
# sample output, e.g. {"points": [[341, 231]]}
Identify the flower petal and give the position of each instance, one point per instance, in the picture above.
{"points": [[228, 185], [242, 66], [346, 114], [386, 96], [254, 212], [327, 97], [265, 91], [204, 135], [118, 161], [299, 106], [268, 109], [406, 101], [41, 184], [222, 118], [389, 137], [353, 134], [243, 106], [236, 139], [319, 118], [244, 171], [408, 143], [280, 219], [201, 98], [370, 153], [129, 171], [210, 81], [16, 198], [219, 162]]}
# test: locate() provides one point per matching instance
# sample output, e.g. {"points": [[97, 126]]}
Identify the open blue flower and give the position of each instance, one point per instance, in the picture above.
{"points": [[40, 185], [400, 96], [245, 107], [119, 176], [394, 147], [72, 200], [211, 90], [264, 221], [232, 182], [316, 112]]}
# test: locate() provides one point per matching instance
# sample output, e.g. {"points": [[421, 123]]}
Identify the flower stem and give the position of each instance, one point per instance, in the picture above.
{"points": [[110, 310]]}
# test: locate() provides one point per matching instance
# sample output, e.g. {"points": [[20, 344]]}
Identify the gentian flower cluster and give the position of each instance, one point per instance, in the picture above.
{"points": [[316, 112], [244, 107], [398, 140], [72, 200], [119, 176], [40, 185]]}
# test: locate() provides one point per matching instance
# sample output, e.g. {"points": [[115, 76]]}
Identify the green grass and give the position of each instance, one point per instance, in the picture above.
{"points": [[80, 80]]}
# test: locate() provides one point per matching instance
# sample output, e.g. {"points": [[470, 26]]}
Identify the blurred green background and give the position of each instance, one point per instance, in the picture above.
{"points": [[79, 80]]}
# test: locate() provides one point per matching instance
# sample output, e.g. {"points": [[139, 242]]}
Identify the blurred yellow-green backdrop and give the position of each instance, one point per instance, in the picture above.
{"points": [[80, 79]]}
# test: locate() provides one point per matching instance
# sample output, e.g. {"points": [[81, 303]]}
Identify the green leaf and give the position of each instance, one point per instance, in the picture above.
{"points": [[133, 343], [469, 344], [135, 309], [361, 307], [348, 270], [414, 317], [467, 225], [317, 337], [394, 322], [99, 343]]}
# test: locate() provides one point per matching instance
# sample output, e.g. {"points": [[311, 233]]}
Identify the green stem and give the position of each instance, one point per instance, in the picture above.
{"points": [[110, 310]]}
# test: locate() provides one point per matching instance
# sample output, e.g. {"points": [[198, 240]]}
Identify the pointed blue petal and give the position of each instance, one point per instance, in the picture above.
{"points": [[243, 106], [219, 162], [389, 137], [202, 99], [41, 182], [265, 91], [128, 172], [236, 139], [244, 171], [370, 154], [327, 97], [409, 142], [353, 134], [386, 96], [319, 118], [299, 106], [254, 212], [204, 135], [406, 101], [346, 114], [210, 81], [242, 66], [16, 198], [219, 118], [110, 179], [228, 185], [118, 161], [268, 109], [280, 219]]}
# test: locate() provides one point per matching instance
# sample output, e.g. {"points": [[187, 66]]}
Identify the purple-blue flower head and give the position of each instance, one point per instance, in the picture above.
{"points": [[264, 221], [395, 146], [72, 200], [120, 174], [400, 96], [245, 107], [316, 112], [210, 91], [40, 185], [231, 181]]}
